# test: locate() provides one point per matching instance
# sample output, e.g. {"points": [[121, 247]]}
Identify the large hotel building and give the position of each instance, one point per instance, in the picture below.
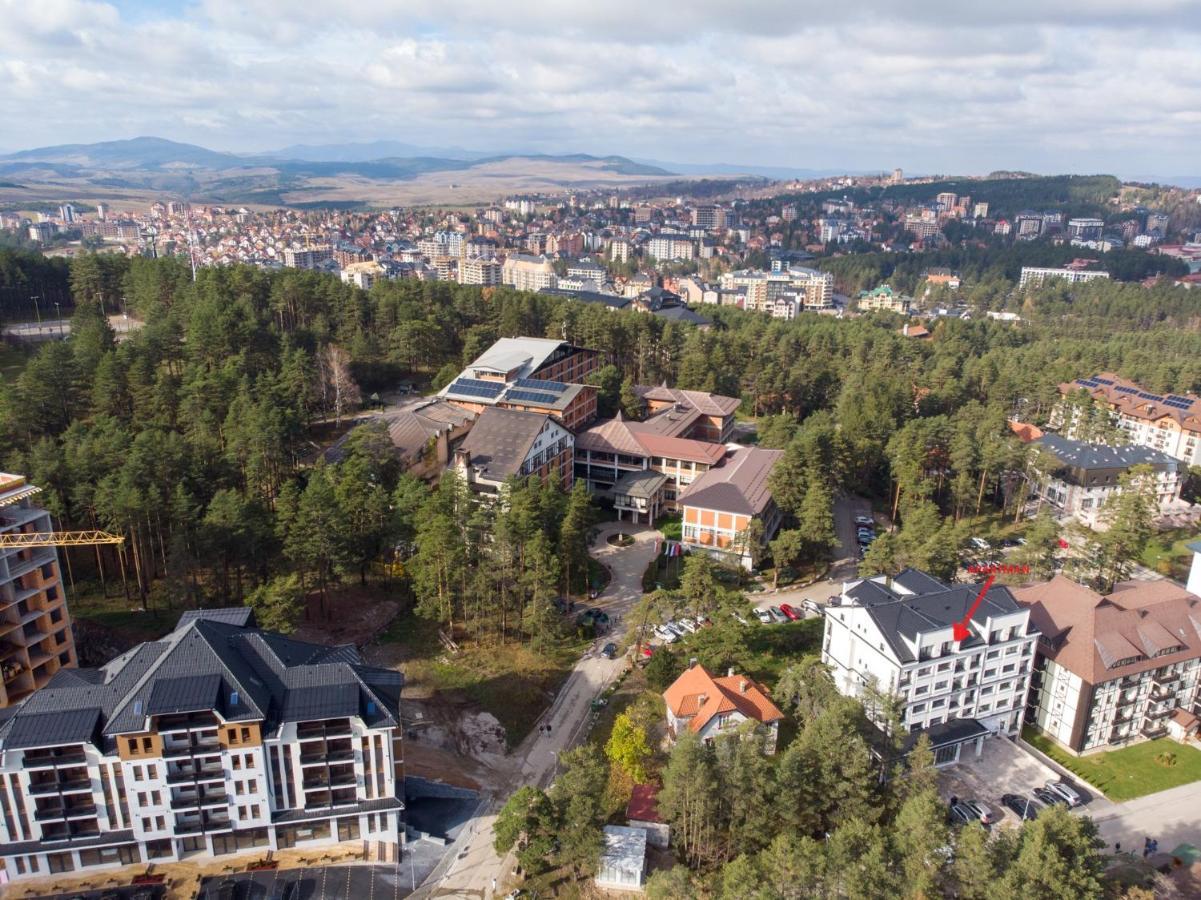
{"points": [[1170, 423]]}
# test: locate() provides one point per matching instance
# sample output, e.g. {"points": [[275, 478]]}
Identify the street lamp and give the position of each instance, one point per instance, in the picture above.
{"points": [[37, 309], [59, 316]]}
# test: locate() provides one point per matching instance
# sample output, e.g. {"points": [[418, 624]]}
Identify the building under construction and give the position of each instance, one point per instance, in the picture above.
{"points": [[35, 628]]}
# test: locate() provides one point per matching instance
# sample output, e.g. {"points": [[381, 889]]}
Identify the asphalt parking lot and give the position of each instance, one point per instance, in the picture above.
{"points": [[362, 882], [1003, 767]]}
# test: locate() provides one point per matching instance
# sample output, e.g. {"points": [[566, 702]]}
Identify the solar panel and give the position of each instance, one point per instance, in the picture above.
{"points": [[474, 387], [1126, 390], [532, 397], [1177, 403], [1087, 382], [1145, 396], [1103, 380], [540, 384], [1179, 398]]}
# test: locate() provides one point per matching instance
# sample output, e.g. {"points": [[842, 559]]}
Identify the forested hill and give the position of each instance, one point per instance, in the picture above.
{"points": [[190, 436]]}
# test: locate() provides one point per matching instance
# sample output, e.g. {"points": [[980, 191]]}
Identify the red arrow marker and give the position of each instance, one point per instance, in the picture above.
{"points": [[959, 631]]}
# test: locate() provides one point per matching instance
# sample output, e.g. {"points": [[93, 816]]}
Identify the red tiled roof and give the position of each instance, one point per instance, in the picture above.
{"points": [[698, 695], [1025, 431]]}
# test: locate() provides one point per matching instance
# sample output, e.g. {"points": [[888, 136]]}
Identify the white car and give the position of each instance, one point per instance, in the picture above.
{"points": [[687, 624], [979, 543], [764, 616], [865, 520], [668, 636], [811, 606], [1066, 791]]}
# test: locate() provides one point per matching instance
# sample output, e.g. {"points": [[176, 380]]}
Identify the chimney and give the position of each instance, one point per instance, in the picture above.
{"points": [[730, 672], [743, 685], [692, 663], [463, 464]]}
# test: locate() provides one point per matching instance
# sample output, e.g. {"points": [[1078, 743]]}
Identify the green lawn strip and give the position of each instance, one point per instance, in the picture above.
{"points": [[1133, 771], [1167, 553]]}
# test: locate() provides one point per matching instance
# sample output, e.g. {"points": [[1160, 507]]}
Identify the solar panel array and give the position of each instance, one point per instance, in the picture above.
{"points": [[1087, 382], [474, 387], [1177, 402], [532, 397], [1126, 390], [1103, 380], [539, 384], [1143, 395]]}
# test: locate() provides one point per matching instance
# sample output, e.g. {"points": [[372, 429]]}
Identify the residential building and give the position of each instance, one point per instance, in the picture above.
{"points": [[698, 414], [1170, 423], [42, 232], [620, 251], [898, 633], [719, 507], [480, 270], [1087, 475], [510, 443], [528, 273], [980, 211], [362, 274], [941, 276], [670, 247], [612, 457], [1085, 229], [883, 298], [709, 217], [217, 739], [588, 272], [307, 257], [66, 212], [35, 626], [1115, 668], [424, 433], [709, 706], [1038, 274]]}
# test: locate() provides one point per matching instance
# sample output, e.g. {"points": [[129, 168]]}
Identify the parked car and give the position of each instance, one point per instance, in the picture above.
{"points": [[609, 651], [865, 520], [1023, 807], [687, 624], [789, 612], [1050, 798], [865, 539], [777, 614], [764, 616], [1067, 791], [864, 532], [648, 651], [811, 606], [675, 629], [983, 812], [739, 618], [979, 543], [668, 636], [962, 815]]}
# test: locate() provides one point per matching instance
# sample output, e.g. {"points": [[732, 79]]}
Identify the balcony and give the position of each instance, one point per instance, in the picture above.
{"points": [[69, 831], [191, 748], [190, 774], [192, 825], [201, 799], [65, 812], [45, 787], [41, 759], [327, 757], [309, 731]]}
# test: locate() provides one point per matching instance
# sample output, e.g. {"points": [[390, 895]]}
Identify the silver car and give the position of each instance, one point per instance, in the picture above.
{"points": [[1066, 791]]}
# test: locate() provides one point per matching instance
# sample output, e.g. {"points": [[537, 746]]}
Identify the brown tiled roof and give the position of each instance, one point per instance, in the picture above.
{"points": [[738, 486], [702, 401], [501, 439], [681, 448], [1123, 396], [698, 695], [619, 435], [1090, 633], [671, 422], [1025, 431], [609, 436]]}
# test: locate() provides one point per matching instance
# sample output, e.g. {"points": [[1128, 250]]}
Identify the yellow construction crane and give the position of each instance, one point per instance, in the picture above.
{"points": [[19, 539]]}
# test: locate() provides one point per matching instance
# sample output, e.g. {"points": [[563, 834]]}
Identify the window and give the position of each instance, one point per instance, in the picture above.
{"points": [[155, 798], [252, 786], [141, 798], [237, 761], [936, 704], [146, 824], [160, 822], [920, 689], [245, 735], [147, 744], [133, 745], [240, 788], [254, 810]]}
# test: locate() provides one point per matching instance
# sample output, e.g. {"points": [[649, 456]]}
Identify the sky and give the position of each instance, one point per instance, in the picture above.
{"points": [[937, 86]]}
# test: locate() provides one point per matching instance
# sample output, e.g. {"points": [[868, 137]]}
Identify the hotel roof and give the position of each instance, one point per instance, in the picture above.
{"points": [[739, 486]]}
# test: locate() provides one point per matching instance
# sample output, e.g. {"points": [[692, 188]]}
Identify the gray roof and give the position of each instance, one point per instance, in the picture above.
{"points": [[209, 662], [682, 314], [1084, 456], [644, 484], [934, 606], [501, 439]]}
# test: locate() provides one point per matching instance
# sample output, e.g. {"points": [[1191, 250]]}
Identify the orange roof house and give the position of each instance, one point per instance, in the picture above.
{"points": [[707, 706]]}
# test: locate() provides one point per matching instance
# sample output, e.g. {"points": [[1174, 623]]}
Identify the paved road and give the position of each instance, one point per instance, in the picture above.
{"points": [[472, 864], [844, 567], [1172, 817]]}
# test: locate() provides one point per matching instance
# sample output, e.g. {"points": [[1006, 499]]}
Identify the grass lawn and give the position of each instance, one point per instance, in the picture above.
{"points": [[1166, 553], [1131, 772], [511, 681], [672, 527]]}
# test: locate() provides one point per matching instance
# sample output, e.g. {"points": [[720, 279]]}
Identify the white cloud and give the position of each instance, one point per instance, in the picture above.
{"points": [[943, 85]]}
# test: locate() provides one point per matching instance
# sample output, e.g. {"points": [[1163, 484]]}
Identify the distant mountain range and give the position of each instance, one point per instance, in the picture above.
{"points": [[347, 174]]}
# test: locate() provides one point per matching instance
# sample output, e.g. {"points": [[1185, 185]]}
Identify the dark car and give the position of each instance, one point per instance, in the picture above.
{"points": [[1022, 807], [609, 651], [1049, 798], [961, 814]]}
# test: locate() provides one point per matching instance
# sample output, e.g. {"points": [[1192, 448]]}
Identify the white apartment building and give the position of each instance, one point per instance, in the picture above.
{"points": [[1037, 275], [1170, 423], [480, 270], [670, 246], [813, 289], [528, 273], [215, 740], [898, 633], [1118, 668]]}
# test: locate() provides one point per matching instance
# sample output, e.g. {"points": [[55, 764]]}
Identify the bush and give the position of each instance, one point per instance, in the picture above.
{"points": [[663, 668]]}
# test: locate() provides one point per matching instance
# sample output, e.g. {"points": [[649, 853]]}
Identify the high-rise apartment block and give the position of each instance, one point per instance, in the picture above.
{"points": [[35, 628]]}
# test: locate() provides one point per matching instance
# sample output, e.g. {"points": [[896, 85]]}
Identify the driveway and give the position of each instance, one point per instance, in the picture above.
{"points": [[471, 865], [1002, 767], [1172, 817]]}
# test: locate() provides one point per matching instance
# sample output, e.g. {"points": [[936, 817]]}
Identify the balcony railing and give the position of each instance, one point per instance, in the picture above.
{"points": [[191, 748], [333, 728], [42, 759], [65, 812]]}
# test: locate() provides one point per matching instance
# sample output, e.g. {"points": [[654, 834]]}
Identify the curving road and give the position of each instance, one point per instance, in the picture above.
{"points": [[471, 865]]}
